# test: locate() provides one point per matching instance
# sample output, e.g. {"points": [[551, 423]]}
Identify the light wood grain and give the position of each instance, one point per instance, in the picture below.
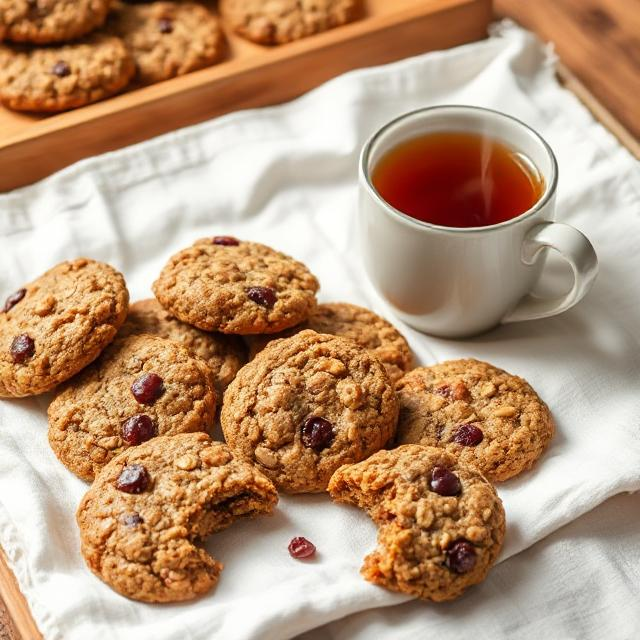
{"points": [[32, 147], [598, 40]]}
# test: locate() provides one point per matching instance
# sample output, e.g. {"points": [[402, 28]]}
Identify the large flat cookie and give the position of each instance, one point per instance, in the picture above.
{"points": [[141, 387], [168, 39], [483, 415], [223, 353], [232, 286], [64, 77], [306, 405], [143, 516], [441, 524], [56, 325], [47, 21], [281, 21], [364, 327]]}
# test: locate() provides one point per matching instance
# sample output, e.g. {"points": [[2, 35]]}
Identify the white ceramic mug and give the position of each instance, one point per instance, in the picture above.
{"points": [[456, 282]]}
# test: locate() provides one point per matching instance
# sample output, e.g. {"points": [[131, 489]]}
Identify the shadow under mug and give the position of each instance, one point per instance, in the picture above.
{"points": [[457, 282]]}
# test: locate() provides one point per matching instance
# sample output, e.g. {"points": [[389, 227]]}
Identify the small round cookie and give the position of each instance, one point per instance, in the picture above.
{"points": [[168, 39], [64, 77], [224, 354], [361, 325], [49, 21], [141, 387], [56, 325], [307, 405], [441, 523], [142, 517], [483, 415], [232, 286], [281, 21]]}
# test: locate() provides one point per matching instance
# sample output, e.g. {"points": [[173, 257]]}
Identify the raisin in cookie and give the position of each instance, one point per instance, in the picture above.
{"points": [[168, 39], [48, 21], [227, 285], [56, 325], [364, 327], [486, 417], [150, 506], [63, 77], [141, 387], [441, 523], [306, 405], [224, 354], [280, 21]]}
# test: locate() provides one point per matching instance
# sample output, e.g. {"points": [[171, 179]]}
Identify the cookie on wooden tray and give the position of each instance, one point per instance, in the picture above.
{"points": [[168, 39], [141, 520], [140, 388], [483, 415], [307, 405], [63, 77], [233, 286], [281, 21], [361, 325], [224, 354], [50, 21], [441, 523], [56, 325]]}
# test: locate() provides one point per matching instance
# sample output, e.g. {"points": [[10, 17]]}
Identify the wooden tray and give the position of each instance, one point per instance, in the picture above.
{"points": [[32, 147]]}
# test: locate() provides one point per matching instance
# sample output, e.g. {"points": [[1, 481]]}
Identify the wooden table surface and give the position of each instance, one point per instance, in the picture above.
{"points": [[598, 40]]}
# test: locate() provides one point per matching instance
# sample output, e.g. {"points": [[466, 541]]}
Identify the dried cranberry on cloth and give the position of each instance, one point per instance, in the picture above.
{"points": [[286, 177]]}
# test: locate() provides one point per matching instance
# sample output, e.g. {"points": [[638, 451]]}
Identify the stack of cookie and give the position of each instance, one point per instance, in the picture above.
{"points": [[326, 402], [63, 54]]}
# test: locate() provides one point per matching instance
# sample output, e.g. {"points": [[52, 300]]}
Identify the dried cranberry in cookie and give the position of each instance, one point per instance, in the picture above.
{"points": [[243, 289], [56, 325], [441, 523], [487, 417], [96, 416], [143, 521], [306, 405]]}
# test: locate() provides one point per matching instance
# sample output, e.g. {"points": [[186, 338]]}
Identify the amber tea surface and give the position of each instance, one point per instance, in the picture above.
{"points": [[457, 179]]}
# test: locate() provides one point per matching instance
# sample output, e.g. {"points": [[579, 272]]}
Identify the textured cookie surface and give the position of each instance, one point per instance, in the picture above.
{"points": [[54, 326], [168, 39], [63, 77], [100, 413], [306, 405], [47, 21], [241, 288], [364, 327], [485, 416], [280, 21], [223, 353], [143, 516], [441, 524]]}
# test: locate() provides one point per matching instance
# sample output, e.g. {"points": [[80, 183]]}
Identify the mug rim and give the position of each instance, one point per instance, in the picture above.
{"points": [[544, 199]]}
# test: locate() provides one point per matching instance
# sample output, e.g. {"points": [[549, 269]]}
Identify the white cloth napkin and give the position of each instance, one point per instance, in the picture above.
{"points": [[286, 176]]}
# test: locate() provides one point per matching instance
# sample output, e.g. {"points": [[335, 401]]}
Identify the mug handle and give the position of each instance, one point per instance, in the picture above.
{"points": [[576, 249]]}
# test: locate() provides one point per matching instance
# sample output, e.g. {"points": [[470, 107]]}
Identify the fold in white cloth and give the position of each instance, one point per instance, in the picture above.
{"points": [[286, 176]]}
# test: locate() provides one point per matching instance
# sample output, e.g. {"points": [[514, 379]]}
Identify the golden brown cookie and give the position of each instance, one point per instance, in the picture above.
{"points": [[141, 520], [306, 405], [48, 21], [441, 524], [233, 286], [224, 354], [58, 78], [56, 325], [140, 388], [168, 39], [483, 415], [364, 327], [281, 21]]}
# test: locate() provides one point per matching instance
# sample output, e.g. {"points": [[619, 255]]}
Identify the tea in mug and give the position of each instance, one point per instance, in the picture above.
{"points": [[457, 179]]}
